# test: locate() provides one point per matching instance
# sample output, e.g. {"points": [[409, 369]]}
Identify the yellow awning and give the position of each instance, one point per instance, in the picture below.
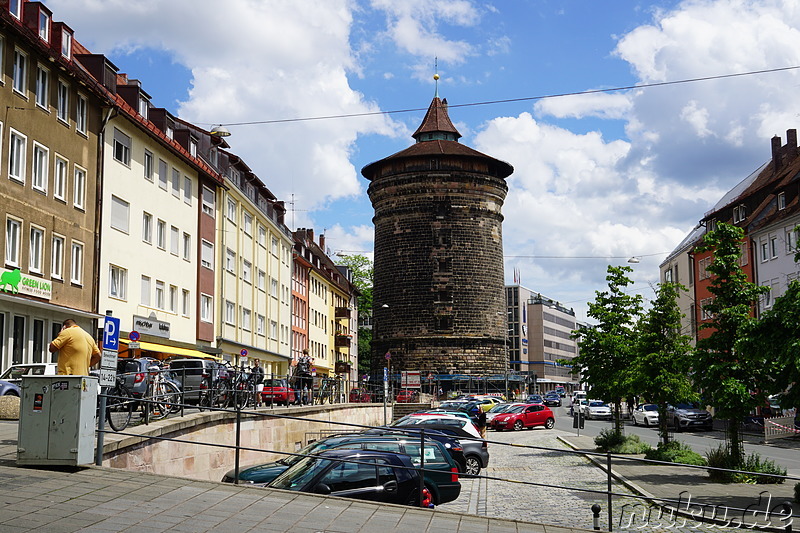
{"points": [[172, 350]]}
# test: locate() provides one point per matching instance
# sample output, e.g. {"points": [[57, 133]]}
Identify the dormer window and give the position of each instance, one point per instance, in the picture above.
{"points": [[739, 214], [15, 8], [144, 105], [781, 200], [193, 147], [169, 131], [66, 44], [44, 26]]}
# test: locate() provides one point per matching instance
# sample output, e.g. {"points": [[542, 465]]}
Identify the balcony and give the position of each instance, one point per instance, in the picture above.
{"points": [[342, 341], [342, 312]]}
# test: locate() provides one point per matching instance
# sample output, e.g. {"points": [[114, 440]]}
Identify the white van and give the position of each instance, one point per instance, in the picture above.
{"points": [[578, 395]]}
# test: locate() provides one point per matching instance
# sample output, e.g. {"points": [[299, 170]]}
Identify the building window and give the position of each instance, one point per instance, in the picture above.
{"points": [[206, 307], [174, 240], [246, 269], [117, 282], [773, 247], [57, 257], [144, 105], [187, 247], [20, 73], [246, 319], [273, 287], [207, 254], [15, 8], [247, 223], [230, 261], [791, 240], [41, 159], [262, 280], [79, 188], [187, 190], [186, 302], [230, 313], [159, 294], [262, 235], [80, 114], [161, 234], [76, 268], [192, 147], [42, 87], [60, 179], [176, 183], [120, 210], [764, 251], [147, 228], [173, 299], [261, 323], [162, 174], [35, 251], [148, 165], [208, 201], [63, 102], [66, 44], [18, 147], [13, 235], [44, 26], [275, 246], [273, 330], [145, 291], [122, 147], [232, 211]]}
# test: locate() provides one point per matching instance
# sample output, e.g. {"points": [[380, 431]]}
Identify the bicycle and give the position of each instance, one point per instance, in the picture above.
{"points": [[244, 390], [119, 406], [216, 393], [163, 396]]}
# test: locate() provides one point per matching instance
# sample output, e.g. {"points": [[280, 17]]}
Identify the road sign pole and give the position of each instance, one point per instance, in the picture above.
{"points": [[110, 345]]}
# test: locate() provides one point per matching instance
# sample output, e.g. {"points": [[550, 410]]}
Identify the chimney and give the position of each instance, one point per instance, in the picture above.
{"points": [[791, 144], [776, 153], [322, 242]]}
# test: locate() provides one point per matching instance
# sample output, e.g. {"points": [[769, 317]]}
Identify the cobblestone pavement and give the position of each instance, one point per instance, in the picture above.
{"points": [[570, 508]]}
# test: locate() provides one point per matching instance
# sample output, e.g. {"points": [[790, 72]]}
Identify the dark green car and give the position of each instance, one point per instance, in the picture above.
{"points": [[441, 471]]}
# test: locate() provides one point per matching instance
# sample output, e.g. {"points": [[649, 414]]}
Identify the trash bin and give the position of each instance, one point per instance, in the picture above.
{"points": [[57, 420]]}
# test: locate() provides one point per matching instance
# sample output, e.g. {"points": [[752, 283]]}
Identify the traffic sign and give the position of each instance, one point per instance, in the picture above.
{"points": [[111, 333], [134, 345], [133, 336], [388, 355], [243, 352]]}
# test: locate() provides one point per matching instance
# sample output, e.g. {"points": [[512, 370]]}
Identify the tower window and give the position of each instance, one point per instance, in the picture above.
{"points": [[444, 322]]}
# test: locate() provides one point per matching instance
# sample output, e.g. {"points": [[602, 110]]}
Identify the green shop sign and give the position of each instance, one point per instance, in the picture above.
{"points": [[16, 282]]}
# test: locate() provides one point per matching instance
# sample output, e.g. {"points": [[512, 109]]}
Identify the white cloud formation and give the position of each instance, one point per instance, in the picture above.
{"points": [[601, 105]]}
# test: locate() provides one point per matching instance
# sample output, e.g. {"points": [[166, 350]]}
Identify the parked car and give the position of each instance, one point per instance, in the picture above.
{"points": [[476, 449], [364, 475], [597, 409], [646, 414], [577, 407], [687, 416], [451, 443], [407, 396], [9, 389], [133, 373], [526, 416], [561, 391], [14, 373], [500, 408], [534, 398], [552, 399], [441, 476], [194, 375], [360, 396], [438, 411], [278, 391]]}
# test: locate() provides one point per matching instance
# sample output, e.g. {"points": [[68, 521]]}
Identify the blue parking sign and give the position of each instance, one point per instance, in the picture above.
{"points": [[111, 334]]}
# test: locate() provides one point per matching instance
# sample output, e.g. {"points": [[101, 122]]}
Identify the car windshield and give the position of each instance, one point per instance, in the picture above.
{"points": [[499, 408], [596, 404], [685, 406], [516, 409], [650, 407], [274, 383], [300, 473]]}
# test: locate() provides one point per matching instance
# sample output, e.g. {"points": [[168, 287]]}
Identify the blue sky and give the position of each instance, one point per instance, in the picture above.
{"points": [[597, 177]]}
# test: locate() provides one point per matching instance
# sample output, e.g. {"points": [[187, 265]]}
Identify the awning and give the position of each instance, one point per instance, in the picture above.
{"points": [[172, 350]]}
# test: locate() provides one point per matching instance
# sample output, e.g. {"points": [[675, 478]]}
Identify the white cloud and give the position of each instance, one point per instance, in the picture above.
{"points": [[601, 105]]}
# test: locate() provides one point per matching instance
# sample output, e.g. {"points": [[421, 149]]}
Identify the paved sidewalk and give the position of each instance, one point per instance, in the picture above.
{"points": [[699, 497], [104, 500]]}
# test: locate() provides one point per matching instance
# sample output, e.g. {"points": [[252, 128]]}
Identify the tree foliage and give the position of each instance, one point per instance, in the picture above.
{"points": [[731, 380], [663, 356], [607, 349], [362, 269]]}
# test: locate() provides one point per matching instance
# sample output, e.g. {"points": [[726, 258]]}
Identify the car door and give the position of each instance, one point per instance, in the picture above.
{"points": [[355, 480], [536, 416]]}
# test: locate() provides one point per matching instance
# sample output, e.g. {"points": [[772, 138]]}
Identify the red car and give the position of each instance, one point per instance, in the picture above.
{"points": [[406, 396], [360, 396], [524, 416], [278, 391]]}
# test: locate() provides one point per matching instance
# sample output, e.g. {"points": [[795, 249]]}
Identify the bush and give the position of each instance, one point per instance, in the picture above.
{"points": [[797, 492], [610, 441], [721, 458], [676, 452]]}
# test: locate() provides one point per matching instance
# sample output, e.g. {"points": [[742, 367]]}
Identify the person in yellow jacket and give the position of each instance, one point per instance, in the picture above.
{"points": [[77, 350]]}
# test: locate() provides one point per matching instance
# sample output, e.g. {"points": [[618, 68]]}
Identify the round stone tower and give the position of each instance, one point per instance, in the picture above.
{"points": [[438, 292]]}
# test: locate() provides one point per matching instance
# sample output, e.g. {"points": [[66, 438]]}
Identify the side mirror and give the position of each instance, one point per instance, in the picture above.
{"points": [[322, 488]]}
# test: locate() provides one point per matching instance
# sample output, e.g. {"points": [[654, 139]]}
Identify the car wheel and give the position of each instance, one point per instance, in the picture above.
{"points": [[550, 423], [635, 423], [646, 423], [677, 425], [473, 467], [518, 425]]}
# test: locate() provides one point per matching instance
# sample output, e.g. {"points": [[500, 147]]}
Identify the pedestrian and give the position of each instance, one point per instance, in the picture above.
{"points": [[257, 374], [77, 350], [482, 422]]}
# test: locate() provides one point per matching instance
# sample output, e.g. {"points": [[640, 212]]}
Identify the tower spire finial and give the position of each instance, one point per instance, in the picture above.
{"points": [[436, 75]]}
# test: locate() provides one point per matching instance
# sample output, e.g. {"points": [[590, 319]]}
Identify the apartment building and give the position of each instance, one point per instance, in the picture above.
{"points": [[49, 134]]}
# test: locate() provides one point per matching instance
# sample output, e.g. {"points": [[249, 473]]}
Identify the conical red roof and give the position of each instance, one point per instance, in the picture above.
{"points": [[436, 121]]}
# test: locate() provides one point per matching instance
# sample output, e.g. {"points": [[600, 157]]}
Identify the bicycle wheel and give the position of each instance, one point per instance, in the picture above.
{"points": [[161, 401], [222, 395], [206, 396], [119, 407], [174, 396], [241, 396]]}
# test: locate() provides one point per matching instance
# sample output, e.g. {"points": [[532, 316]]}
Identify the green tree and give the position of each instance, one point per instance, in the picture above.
{"points": [[663, 356], [731, 380], [362, 269], [607, 349]]}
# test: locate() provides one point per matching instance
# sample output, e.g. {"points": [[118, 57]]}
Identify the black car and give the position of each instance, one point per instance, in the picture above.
{"points": [[441, 470], [552, 400], [450, 442], [364, 475], [534, 398]]}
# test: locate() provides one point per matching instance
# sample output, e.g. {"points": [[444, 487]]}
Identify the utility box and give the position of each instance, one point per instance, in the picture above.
{"points": [[57, 420]]}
